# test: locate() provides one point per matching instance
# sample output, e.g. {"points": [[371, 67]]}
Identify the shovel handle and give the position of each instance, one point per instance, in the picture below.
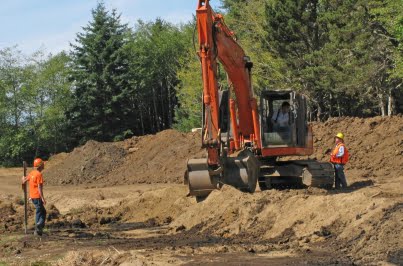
{"points": [[24, 187]]}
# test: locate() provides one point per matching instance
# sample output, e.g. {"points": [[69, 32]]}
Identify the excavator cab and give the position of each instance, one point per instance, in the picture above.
{"points": [[283, 119]]}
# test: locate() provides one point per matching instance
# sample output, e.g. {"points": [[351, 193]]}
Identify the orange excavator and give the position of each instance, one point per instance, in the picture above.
{"points": [[245, 146]]}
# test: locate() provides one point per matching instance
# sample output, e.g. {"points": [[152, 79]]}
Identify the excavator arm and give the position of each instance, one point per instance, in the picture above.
{"points": [[217, 43]]}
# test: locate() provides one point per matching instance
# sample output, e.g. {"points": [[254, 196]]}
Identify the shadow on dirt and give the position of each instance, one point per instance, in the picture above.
{"points": [[361, 184], [353, 187]]}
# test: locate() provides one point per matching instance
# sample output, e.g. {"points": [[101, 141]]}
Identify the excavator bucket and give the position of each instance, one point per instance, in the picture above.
{"points": [[199, 179], [240, 172]]}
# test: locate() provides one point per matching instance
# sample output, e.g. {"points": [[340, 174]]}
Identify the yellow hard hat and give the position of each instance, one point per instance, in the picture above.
{"points": [[340, 135]]}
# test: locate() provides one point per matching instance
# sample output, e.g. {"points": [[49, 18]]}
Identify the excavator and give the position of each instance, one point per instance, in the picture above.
{"points": [[244, 146]]}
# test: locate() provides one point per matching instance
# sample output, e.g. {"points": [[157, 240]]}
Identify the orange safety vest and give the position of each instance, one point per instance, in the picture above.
{"points": [[339, 160]]}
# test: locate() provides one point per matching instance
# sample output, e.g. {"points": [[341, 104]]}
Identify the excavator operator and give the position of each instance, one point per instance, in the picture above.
{"points": [[281, 118]]}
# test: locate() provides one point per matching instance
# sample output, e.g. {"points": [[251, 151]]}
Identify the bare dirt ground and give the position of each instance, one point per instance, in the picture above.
{"points": [[123, 204]]}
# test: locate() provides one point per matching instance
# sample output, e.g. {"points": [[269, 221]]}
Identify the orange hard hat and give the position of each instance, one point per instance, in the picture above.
{"points": [[38, 162]]}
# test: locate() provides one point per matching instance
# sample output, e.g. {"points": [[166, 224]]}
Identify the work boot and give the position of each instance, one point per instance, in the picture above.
{"points": [[38, 230]]}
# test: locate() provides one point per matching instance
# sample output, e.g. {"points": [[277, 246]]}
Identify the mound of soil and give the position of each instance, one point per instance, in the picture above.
{"points": [[12, 214], [85, 164], [375, 145], [159, 158], [360, 224]]}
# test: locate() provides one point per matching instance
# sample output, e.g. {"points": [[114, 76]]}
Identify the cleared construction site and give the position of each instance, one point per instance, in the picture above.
{"points": [[125, 203]]}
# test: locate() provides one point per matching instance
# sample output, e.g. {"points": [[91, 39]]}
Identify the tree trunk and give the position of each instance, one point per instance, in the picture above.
{"points": [[390, 104], [169, 107], [319, 113], [15, 107], [156, 122], [338, 107], [163, 106], [382, 104], [151, 123], [308, 113], [141, 122]]}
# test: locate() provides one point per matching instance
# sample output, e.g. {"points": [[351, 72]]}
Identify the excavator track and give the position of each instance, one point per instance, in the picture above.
{"points": [[318, 174], [294, 174]]}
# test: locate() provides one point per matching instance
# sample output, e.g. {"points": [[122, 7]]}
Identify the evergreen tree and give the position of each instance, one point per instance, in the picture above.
{"points": [[101, 107]]}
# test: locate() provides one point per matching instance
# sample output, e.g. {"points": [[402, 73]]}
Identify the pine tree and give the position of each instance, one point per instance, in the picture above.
{"points": [[101, 107]]}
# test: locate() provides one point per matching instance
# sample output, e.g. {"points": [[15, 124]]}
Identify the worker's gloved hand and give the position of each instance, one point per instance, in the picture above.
{"points": [[328, 151]]}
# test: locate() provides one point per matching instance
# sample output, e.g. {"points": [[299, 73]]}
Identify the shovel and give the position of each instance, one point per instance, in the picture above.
{"points": [[24, 188]]}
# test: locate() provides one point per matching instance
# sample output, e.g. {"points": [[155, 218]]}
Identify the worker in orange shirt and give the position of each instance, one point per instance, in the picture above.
{"points": [[339, 157], [35, 180]]}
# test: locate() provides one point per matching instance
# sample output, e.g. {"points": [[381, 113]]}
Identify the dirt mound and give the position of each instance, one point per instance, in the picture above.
{"points": [[360, 224], [159, 158], [12, 214], [369, 226], [74, 258], [375, 145], [85, 164]]}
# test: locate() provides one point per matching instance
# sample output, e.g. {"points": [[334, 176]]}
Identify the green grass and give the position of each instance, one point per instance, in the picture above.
{"points": [[2, 263]]}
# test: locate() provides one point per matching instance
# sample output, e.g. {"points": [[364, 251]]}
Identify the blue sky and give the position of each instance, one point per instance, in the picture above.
{"points": [[52, 24]]}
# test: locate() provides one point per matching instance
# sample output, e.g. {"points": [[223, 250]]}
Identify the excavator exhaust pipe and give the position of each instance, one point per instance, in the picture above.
{"points": [[241, 172]]}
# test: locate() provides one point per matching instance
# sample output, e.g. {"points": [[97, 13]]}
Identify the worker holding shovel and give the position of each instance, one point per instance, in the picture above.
{"points": [[35, 180]]}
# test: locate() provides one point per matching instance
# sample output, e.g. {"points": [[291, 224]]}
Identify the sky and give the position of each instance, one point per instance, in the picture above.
{"points": [[53, 24]]}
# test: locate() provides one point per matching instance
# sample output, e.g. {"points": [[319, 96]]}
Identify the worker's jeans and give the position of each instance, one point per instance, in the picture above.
{"points": [[340, 178], [40, 214]]}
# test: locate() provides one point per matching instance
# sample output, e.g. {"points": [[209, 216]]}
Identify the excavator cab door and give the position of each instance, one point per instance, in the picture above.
{"points": [[278, 125], [301, 121], [292, 134]]}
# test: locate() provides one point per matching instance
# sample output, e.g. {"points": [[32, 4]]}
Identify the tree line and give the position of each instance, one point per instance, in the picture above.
{"points": [[346, 56], [117, 81]]}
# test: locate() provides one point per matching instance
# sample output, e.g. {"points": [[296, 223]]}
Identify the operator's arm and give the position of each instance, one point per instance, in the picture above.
{"points": [[274, 117], [40, 188], [340, 153]]}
